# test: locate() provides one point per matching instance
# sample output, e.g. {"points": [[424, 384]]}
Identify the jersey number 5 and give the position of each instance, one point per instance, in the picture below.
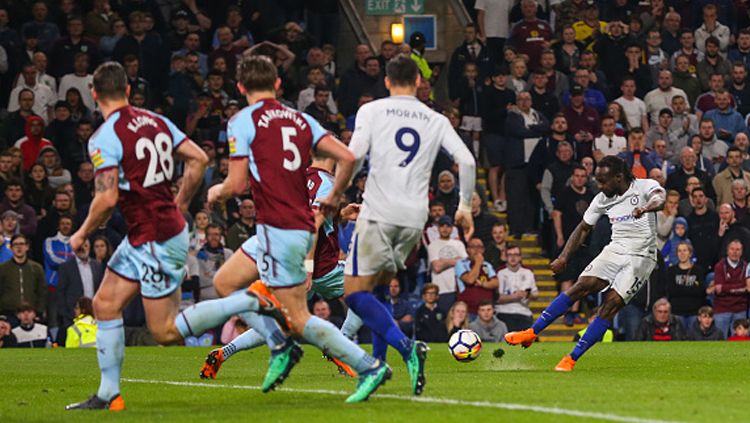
{"points": [[411, 148], [160, 162], [287, 132]]}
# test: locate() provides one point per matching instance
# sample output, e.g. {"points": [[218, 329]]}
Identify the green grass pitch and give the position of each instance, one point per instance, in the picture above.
{"points": [[626, 382]]}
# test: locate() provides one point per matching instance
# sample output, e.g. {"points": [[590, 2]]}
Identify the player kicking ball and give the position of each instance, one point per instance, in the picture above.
{"points": [[133, 153], [622, 267], [322, 264], [402, 137], [269, 146]]}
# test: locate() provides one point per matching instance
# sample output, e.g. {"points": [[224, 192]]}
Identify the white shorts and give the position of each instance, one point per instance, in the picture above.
{"points": [[378, 246], [471, 123], [625, 273]]}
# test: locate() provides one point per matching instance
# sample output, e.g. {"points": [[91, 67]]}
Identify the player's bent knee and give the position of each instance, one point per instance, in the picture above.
{"points": [[165, 335]]}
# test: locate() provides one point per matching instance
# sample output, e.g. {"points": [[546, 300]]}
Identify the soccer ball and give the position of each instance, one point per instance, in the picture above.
{"points": [[465, 345]]}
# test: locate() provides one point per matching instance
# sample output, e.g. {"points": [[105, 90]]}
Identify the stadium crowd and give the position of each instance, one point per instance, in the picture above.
{"points": [[539, 96]]}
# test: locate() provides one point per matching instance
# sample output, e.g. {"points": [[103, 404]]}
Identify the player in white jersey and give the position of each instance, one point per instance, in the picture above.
{"points": [[403, 137], [622, 267]]}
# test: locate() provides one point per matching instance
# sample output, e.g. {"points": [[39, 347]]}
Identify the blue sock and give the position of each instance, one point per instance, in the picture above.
{"points": [[379, 345], [331, 341], [195, 320], [594, 334], [247, 340], [110, 349], [376, 317], [266, 328], [352, 324], [556, 308]]}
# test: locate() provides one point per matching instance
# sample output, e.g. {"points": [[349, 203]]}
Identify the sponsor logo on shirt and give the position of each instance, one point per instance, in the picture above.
{"points": [[620, 219]]}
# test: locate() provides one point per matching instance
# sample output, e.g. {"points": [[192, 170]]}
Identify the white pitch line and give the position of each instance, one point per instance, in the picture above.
{"points": [[427, 400]]}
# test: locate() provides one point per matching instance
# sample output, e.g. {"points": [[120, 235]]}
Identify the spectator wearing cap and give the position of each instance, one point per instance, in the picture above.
{"points": [[442, 255], [63, 54], [32, 144], [43, 98], [15, 122], [179, 30], [418, 44], [583, 122], [81, 79], [29, 333], [14, 201], [475, 277], [47, 32], [727, 121], [496, 99], [23, 280], [7, 338], [592, 96], [146, 46], [531, 35]]}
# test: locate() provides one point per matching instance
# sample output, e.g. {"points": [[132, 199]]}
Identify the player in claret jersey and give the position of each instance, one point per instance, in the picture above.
{"points": [[269, 145], [134, 155]]}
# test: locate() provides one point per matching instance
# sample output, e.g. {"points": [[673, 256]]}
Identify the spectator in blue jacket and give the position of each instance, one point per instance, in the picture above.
{"points": [[592, 96], [57, 249], [727, 121]]}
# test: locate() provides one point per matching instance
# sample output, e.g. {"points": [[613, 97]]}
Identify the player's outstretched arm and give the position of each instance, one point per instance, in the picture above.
{"points": [[574, 243], [335, 149], [104, 202], [196, 162], [235, 183], [656, 200]]}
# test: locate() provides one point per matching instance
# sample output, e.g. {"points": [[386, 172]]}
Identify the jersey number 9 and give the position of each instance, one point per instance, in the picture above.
{"points": [[411, 148], [160, 162]]}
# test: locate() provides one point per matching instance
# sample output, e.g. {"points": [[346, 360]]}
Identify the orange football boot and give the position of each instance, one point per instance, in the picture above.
{"points": [[344, 368], [566, 364], [524, 337], [269, 304], [212, 364]]}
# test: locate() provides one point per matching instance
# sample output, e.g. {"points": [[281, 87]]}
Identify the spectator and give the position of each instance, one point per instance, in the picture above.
{"points": [[728, 121], [79, 277], [7, 338], [665, 218], [107, 43], [661, 96], [57, 251], [730, 229], [34, 141], [570, 204], [78, 111], [523, 128], [707, 101], [613, 48], [531, 35], [15, 122], [475, 277], [244, 228], [635, 108], [741, 53], [102, 249], [678, 180], [9, 227], [210, 258], [740, 330], [483, 220], [712, 64], [678, 236], [568, 51], [66, 49], [43, 99], [544, 101], [99, 19], [583, 122], [198, 235], [39, 194], [29, 333], [493, 21], [356, 81], [712, 28], [545, 151], [556, 81], [458, 318], [703, 328], [685, 289], [712, 148], [82, 332], [402, 308], [592, 96], [496, 99], [739, 201], [472, 50], [487, 326], [430, 319], [557, 175], [56, 174], [319, 110], [661, 325], [46, 31], [517, 288], [608, 143], [637, 157], [723, 181], [730, 287], [442, 255], [686, 80], [660, 131], [497, 247], [23, 280], [703, 225], [684, 125], [40, 61], [447, 192], [14, 201], [469, 100], [315, 76], [739, 89], [431, 231], [148, 48]]}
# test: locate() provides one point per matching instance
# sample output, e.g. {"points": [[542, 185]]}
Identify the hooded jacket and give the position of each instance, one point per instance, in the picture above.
{"points": [[31, 145], [670, 247]]}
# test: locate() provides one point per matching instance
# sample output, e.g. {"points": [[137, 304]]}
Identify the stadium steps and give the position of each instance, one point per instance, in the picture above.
{"points": [[533, 259]]}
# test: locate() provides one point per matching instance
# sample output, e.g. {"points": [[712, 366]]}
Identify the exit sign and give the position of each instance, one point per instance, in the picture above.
{"points": [[394, 7]]}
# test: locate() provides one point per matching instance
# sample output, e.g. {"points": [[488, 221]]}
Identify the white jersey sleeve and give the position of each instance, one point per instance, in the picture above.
{"points": [[595, 210], [455, 146]]}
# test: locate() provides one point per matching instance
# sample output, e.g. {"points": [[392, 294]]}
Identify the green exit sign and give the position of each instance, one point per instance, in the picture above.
{"points": [[394, 7]]}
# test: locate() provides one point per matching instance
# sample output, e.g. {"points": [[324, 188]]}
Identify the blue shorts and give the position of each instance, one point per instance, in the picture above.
{"points": [[331, 285], [250, 248], [281, 255], [158, 266]]}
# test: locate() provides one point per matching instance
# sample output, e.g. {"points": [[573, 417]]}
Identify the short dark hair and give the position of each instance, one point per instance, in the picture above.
{"points": [[617, 165], [484, 303], [735, 149], [745, 323], [14, 183], [16, 236], [510, 246], [321, 88], [713, 40], [402, 71], [214, 226], [436, 203], [698, 189], [257, 73], [110, 81]]}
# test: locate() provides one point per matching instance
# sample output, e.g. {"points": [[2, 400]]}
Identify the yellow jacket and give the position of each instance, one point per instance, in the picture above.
{"points": [[82, 333]]}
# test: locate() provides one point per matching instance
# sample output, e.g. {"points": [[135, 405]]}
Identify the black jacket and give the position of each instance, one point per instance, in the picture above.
{"points": [[70, 287], [459, 59], [647, 329], [695, 333]]}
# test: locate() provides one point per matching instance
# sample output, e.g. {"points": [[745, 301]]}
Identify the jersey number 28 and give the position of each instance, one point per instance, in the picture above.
{"points": [[160, 162]]}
